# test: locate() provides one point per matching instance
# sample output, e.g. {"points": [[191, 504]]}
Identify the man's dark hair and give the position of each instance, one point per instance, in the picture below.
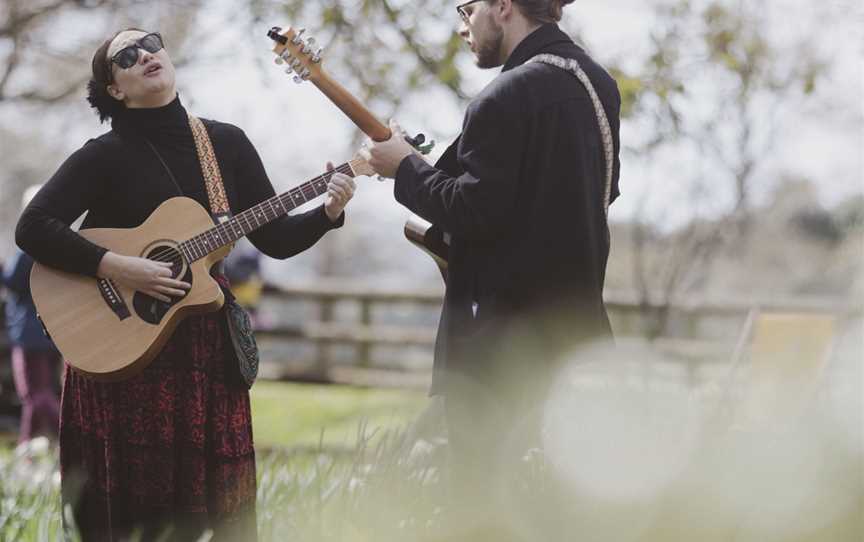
{"points": [[542, 11], [106, 106]]}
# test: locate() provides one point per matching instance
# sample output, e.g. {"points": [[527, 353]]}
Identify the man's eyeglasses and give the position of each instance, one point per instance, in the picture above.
{"points": [[465, 14], [128, 56]]}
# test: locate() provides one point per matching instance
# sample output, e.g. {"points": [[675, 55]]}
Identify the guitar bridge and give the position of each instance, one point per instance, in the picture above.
{"points": [[113, 298]]}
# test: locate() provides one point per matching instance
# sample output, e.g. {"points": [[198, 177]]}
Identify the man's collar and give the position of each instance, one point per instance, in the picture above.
{"points": [[534, 43]]}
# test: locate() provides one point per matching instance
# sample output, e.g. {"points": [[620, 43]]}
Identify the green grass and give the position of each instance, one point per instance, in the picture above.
{"points": [[289, 415], [299, 484], [797, 485]]}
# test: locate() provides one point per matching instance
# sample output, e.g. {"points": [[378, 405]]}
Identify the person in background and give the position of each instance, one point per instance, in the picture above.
{"points": [[243, 269], [35, 360]]}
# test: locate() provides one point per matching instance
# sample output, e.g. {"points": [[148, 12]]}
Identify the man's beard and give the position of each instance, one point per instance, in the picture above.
{"points": [[489, 50]]}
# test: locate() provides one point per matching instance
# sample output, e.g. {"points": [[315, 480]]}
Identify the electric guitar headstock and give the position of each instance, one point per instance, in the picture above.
{"points": [[303, 57]]}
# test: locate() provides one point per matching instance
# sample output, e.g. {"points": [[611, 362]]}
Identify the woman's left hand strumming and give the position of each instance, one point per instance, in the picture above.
{"points": [[340, 190]]}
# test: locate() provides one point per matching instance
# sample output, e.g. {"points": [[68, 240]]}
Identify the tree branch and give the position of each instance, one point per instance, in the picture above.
{"points": [[431, 65]]}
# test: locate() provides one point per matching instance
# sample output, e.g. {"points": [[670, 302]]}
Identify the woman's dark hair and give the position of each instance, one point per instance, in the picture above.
{"points": [[542, 11], [106, 106]]}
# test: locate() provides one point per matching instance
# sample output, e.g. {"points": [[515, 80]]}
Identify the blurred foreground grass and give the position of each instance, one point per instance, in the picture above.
{"points": [[625, 459], [301, 431]]}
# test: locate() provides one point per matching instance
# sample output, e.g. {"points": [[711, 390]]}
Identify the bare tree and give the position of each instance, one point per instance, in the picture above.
{"points": [[45, 52], [714, 53]]}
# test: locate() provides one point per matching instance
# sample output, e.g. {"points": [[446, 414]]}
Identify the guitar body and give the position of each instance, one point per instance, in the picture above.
{"points": [[110, 332], [430, 239]]}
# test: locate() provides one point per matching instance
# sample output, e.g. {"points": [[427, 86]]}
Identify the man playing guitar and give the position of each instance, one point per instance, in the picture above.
{"points": [[523, 193]]}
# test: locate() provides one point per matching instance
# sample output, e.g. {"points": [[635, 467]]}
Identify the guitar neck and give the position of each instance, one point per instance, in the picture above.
{"points": [[255, 217], [289, 47], [351, 106]]}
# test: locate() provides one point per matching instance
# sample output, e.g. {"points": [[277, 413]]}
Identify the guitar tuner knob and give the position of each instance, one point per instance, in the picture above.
{"points": [[278, 60], [298, 79], [297, 36], [286, 54], [318, 54], [305, 49], [310, 41], [305, 74]]}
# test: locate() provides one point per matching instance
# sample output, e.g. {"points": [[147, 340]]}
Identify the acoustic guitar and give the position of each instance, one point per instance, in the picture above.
{"points": [[110, 332], [305, 61]]}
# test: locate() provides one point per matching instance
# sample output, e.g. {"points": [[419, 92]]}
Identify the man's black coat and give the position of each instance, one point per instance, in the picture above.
{"points": [[521, 194]]}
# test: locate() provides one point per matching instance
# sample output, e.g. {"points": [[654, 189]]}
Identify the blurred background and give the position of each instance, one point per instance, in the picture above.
{"points": [[740, 228]]}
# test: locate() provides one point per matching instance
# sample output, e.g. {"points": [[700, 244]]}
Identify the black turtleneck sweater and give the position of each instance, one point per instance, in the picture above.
{"points": [[119, 180]]}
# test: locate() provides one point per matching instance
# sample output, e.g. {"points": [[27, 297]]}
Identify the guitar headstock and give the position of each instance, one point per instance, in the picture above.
{"points": [[300, 55]]}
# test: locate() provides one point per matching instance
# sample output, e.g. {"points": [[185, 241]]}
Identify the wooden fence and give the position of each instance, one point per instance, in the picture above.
{"points": [[696, 332]]}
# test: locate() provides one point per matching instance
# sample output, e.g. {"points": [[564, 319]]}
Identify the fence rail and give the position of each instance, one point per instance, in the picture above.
{"points": [[699, 330], [694, 331]]}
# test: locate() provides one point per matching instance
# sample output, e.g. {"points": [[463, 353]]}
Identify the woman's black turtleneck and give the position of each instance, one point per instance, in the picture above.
{"points": [[119, 180]]}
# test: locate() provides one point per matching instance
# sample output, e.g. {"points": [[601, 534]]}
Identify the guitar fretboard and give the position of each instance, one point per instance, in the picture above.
{"points": [[253, 218]]}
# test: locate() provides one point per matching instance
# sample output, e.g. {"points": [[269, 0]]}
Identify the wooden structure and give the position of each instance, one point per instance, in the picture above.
{"points": [[702, 331], [699, 332]]}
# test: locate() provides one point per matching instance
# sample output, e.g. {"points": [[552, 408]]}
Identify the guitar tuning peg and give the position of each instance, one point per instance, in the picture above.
{"points": [[286, 55], [278, 60], [310, 41], [318, 54], [298, 79], [305, 49], [305, 74], [297, 38]]}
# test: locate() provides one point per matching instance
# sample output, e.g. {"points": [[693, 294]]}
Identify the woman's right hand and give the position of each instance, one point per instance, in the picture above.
{"points": [[146, 276]]}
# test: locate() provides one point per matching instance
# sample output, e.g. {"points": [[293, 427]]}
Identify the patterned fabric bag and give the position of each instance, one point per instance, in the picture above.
{"points": [[243, 340]]}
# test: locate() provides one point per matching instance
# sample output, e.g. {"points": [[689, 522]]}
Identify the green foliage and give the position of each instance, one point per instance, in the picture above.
{"points": [[631, 88], [360, 39]]}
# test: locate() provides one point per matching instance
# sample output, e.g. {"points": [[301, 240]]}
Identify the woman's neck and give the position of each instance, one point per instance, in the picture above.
{"points": [[150, 101]]}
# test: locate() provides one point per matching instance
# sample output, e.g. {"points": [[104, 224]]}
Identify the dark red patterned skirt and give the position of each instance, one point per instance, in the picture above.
{"points": [[169, 449]]}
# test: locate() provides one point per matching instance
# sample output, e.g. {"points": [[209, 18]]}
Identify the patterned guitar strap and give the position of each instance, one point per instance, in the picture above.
{"points": [[572, 66], [239, 323], [210, 169]]}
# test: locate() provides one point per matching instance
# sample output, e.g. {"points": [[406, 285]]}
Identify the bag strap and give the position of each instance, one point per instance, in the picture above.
{"points": [[210, 169], [572, 66]]}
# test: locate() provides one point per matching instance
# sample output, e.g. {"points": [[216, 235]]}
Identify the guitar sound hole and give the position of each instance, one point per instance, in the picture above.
{"points": [[150, 309]]}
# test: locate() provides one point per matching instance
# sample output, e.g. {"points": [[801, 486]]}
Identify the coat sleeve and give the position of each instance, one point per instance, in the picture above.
{"points": [[481, 201], [289, 235], [43, 230]]}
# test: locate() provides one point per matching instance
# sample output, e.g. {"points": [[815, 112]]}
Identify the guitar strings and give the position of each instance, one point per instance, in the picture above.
{"points": [[174, 256]]}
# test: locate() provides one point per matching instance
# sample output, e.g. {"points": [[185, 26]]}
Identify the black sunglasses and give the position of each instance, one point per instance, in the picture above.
{"points": [[464, 14], [128, 56]]}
